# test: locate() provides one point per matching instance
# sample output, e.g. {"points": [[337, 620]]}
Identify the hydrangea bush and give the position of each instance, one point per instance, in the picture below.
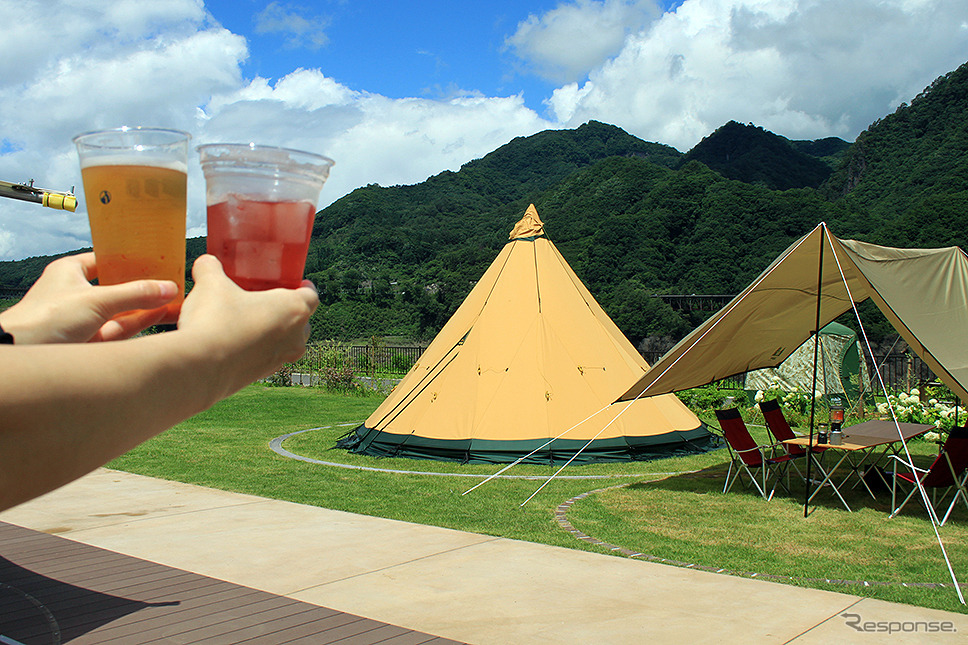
{"points": [[791, 401], [909, 407]]}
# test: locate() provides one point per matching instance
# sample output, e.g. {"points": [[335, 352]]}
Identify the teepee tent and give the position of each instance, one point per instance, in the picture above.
{"points": [[528, 359]]}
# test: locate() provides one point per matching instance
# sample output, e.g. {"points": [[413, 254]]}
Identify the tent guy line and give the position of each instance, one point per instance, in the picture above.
{"points": [[541, 447], [580, 450]]}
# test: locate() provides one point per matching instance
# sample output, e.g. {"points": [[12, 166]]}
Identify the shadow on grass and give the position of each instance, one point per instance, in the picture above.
{"points": [[873, 493]]}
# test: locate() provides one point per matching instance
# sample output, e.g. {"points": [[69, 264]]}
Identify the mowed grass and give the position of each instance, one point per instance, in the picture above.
{"points": [[671, 508]]}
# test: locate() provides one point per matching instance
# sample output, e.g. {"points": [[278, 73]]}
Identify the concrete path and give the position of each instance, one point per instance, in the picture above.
{"points": [[461, 586]]}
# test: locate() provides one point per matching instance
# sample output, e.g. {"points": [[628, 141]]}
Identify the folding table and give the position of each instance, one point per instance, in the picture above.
{"points": [[860, 444]]}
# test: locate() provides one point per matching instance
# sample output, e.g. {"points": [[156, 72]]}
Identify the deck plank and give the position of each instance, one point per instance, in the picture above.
{"points": [[53, 589]]}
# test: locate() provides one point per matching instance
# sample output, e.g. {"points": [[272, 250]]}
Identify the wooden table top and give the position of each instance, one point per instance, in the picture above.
{"points": [[868, 434]]}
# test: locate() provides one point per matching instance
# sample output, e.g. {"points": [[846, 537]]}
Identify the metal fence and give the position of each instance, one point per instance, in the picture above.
{"points": [[363, 359], [383, 358], [899, 371]]}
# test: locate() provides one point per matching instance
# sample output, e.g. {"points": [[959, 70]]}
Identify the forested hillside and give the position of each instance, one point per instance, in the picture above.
{"points": [[908, 172], [755, 156], [633, 218]]}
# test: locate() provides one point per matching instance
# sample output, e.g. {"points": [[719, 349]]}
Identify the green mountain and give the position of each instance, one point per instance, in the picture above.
{"points": [[633, 218], [908, 172], [400, 260], [753, 155]]}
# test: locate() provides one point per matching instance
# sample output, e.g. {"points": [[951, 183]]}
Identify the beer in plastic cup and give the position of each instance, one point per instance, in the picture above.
{"points": [[261, 206], [135, 189]]}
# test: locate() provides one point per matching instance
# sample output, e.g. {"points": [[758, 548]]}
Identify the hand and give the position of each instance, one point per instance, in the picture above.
{"points": [[64, 307], [251, 333]]}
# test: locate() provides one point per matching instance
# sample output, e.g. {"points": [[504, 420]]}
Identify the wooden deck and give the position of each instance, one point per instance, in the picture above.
{"points": [[55, 590]]}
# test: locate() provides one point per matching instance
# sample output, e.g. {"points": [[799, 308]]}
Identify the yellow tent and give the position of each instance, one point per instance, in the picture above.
{"points": [[528, 356]]}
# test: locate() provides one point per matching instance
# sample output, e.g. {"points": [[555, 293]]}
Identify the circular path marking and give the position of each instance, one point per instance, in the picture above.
{"points": [[276, 446]]}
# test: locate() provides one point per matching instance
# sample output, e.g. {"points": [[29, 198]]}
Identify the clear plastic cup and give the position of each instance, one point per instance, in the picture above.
{"points": [[261, 207], [135, 190]]}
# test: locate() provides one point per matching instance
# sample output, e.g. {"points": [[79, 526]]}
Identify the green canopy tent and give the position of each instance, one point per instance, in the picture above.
{"points": [[841, 369]]}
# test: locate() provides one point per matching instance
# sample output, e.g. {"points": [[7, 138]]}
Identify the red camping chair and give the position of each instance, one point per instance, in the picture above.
{"points": [[746, 456], [778, 426], [949, 471], [780, 429]]}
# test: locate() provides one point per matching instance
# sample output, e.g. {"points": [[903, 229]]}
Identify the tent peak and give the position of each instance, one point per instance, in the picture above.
{"points": [[529, 226]]}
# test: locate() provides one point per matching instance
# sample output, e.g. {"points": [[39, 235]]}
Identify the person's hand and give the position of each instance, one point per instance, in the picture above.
{"points": [[250, 333], [64, 307]]}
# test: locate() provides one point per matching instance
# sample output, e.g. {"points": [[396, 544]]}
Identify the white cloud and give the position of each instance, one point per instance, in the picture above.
{"points": [[373, 139], [802, 68], [569, 41], [299, 28], [179, 69], [38, 33], [97, 65]]}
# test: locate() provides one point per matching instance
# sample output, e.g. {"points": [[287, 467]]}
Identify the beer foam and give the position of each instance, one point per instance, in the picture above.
{"points": [[135, 158]]}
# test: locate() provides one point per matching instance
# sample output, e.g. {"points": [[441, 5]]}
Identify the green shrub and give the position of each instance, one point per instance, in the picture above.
{"points": [[707, 398]]}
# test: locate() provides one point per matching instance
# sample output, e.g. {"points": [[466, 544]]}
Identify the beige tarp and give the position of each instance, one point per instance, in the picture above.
{"points": [[528, 355], [923, 293]]}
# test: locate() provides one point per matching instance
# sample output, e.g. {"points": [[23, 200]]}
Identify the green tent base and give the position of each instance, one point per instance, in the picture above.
{"points": [[375, 443]]}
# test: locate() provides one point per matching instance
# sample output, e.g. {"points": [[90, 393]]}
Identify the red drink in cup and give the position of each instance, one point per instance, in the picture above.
{"points": [[262, 245], [261, 206]]}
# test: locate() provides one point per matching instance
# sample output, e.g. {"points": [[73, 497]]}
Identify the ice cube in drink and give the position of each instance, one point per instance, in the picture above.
{"points": [[262, 244]]}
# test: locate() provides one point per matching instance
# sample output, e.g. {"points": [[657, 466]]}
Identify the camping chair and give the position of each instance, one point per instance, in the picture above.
{"points": [[949, 471], [746, 456], [778, 426]]}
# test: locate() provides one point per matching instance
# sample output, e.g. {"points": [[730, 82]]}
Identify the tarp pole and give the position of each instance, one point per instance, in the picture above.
{"points": [[813, 393]]}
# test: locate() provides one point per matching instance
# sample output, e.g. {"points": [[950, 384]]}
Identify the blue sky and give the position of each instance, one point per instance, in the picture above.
{"points": [[396, 92], [430, 49]]}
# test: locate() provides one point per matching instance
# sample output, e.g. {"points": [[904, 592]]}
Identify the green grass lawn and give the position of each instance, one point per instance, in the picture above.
{"points": [[682, 517]]}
